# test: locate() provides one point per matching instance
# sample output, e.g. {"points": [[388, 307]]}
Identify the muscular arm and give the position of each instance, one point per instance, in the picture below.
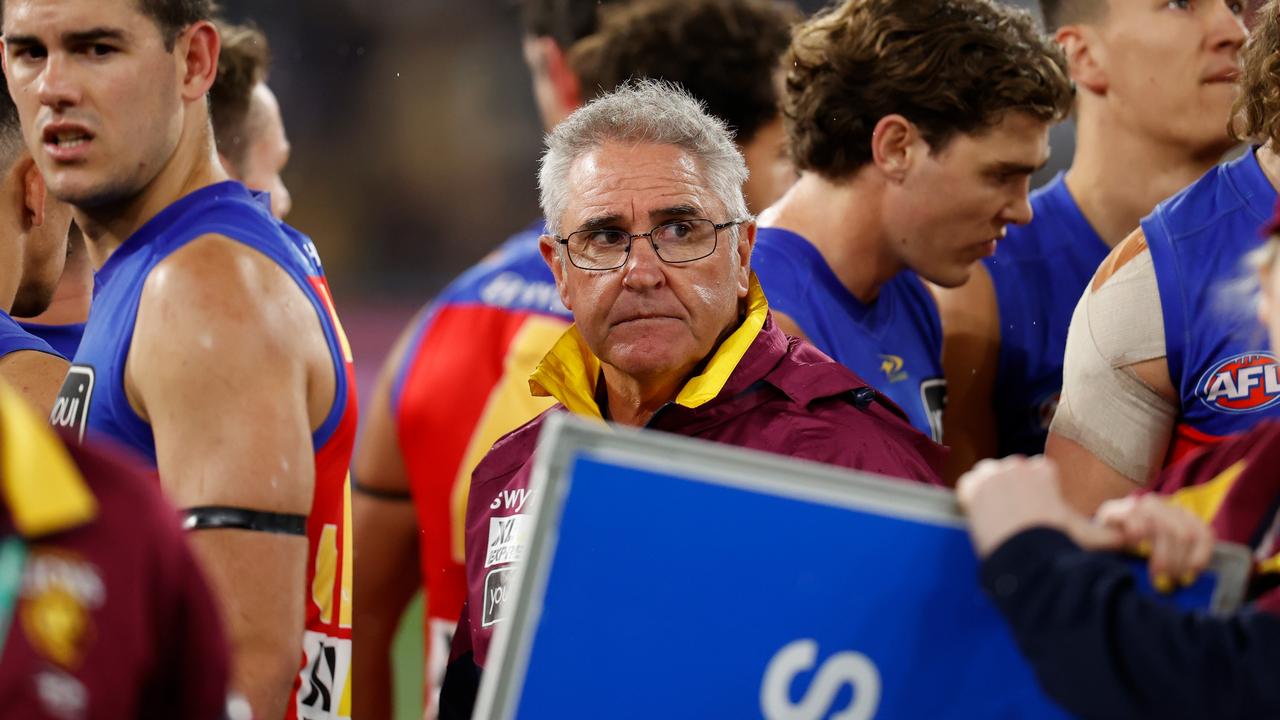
{"points": [[36, 376], [970, 356], [386, 546], [229, 365], [1118, 403]]}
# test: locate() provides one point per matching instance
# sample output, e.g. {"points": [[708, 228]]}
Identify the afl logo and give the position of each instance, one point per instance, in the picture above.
{"points": [[1244, 383]]}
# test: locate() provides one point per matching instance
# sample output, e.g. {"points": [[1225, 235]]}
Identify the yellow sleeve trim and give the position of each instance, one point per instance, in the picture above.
{"points": [[41, 485]]}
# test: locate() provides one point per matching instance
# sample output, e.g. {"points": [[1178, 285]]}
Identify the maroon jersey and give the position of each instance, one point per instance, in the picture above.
{"points": [[1235, 487], [112, 616]]}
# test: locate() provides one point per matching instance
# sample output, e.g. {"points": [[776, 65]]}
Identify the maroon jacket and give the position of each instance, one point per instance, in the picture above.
{"points": [[114, 619], [784, 396]]}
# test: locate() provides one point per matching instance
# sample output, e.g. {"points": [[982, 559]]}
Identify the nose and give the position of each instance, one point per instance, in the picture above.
{"points": [[1018, 211], [57, 87], [1226, 28], [644, 269]]}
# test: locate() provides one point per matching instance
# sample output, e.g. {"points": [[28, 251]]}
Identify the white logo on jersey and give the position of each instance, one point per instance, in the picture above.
{"points": [[71, 409], [845, 668]]}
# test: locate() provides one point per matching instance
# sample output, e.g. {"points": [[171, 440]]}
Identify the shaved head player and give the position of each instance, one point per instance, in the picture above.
{"points": [[212, 347]]}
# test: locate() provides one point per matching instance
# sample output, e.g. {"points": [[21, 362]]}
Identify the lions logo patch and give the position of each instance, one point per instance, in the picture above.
{"points": [[60, 591], [1241, 384]]}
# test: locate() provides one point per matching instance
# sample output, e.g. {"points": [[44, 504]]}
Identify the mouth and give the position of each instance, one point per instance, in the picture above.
{"points": [[1226, 76], [66, 142]]}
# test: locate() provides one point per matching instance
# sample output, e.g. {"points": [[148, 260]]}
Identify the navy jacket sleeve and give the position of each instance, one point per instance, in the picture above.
{"points": [[1103, 649]]}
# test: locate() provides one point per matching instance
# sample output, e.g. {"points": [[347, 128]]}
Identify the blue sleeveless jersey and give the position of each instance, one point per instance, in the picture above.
{"points": [[1039, 271], [895, 343], [15, 338], [1219, 356], [227, 209], [63, 338]]}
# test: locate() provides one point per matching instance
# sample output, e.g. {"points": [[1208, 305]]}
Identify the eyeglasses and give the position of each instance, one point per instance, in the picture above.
{"points": [[678, 241]]}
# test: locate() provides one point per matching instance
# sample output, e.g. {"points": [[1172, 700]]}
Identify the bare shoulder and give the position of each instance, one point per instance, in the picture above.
{"points": [[787, 325], [1131, 248]]}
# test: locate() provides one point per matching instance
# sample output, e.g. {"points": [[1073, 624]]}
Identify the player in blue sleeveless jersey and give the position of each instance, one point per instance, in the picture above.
{"points": [[1164, 354], [212, 347], [33, 242], [914, 157], [253, 148], [1006, 329]]}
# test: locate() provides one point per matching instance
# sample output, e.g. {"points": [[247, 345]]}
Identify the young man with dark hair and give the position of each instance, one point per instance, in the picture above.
{"points": [[252, 146], [915, 152], [212, 349], [458, 378], [1161, 357], [1154, 88], [33, 248]]}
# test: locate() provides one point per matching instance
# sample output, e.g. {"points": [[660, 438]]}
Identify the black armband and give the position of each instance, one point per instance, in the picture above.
{"points": [[392, 495], [221, 517]]}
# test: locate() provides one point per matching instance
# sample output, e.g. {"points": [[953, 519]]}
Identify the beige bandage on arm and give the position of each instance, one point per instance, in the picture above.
{"points": [[1104, 406]]}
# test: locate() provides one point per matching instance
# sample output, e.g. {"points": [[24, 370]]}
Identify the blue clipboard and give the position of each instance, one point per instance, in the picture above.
{"points": [[672, 578]]}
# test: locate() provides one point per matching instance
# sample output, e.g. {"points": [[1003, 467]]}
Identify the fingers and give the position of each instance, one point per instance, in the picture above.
{"points": [[1179, 544]]}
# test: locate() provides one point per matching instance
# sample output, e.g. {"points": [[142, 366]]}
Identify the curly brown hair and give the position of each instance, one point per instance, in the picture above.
{"points": [[726, 53], [241, 66], [948, 66], [1256, 116]]}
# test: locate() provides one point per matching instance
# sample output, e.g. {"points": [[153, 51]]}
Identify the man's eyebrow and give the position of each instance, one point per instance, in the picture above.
{"points": [[78, 37], [675, 211], [1015, 168], [600, 222], [93, 35]]}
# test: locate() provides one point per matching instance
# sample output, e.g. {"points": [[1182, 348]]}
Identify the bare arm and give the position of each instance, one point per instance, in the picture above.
{"points": [[386, 546], [970, 356], [1118, 404], [36, 376], [229, 365]]}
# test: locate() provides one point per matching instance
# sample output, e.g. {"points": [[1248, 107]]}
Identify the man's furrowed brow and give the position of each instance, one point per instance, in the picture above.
{"points": [[675, 211], [600, 222], [94, 35]]}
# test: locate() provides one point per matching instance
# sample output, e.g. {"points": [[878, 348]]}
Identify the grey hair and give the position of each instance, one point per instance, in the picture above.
{"points": [[643, 112]]}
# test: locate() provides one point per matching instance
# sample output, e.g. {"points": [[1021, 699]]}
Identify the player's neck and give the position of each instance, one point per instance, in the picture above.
{"points": [[841, 220], [194, 165], [1118, 176], [633, 401], [74, 294]]}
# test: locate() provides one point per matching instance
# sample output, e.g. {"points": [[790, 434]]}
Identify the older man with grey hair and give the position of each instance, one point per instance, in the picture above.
{"points": [[650, 244]]}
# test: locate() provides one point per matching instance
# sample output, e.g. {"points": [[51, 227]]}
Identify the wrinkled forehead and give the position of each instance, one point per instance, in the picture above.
{"points": [[636, 184], [48, 19]]}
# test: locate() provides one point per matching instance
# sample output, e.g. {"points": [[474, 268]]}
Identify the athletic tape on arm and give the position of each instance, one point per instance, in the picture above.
{"points": [[1104, 406], [221, 517]]}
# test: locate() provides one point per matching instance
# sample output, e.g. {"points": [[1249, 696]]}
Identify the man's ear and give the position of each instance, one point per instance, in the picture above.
{"points": [[1083, 48], [893, 144], [34, 192], [746, 243], [565, 86], [553, 256], [198, 46]]}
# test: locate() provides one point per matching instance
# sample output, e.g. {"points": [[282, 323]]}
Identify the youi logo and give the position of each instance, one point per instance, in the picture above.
{"points": [[1241, 384]]}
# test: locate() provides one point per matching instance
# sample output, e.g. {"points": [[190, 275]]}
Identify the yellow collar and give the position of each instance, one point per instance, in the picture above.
{"points": [[39, 482], [569, 372]]}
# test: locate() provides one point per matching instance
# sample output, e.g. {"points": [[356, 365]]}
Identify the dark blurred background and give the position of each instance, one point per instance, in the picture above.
{"points": [[415, 141]]}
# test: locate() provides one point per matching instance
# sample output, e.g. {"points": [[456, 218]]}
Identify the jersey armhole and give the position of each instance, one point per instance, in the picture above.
{"points": [[1172, 300]]}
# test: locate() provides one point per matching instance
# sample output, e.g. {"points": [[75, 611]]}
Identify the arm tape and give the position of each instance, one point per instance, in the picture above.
{"points": [[221, 517], [380, 494]]}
